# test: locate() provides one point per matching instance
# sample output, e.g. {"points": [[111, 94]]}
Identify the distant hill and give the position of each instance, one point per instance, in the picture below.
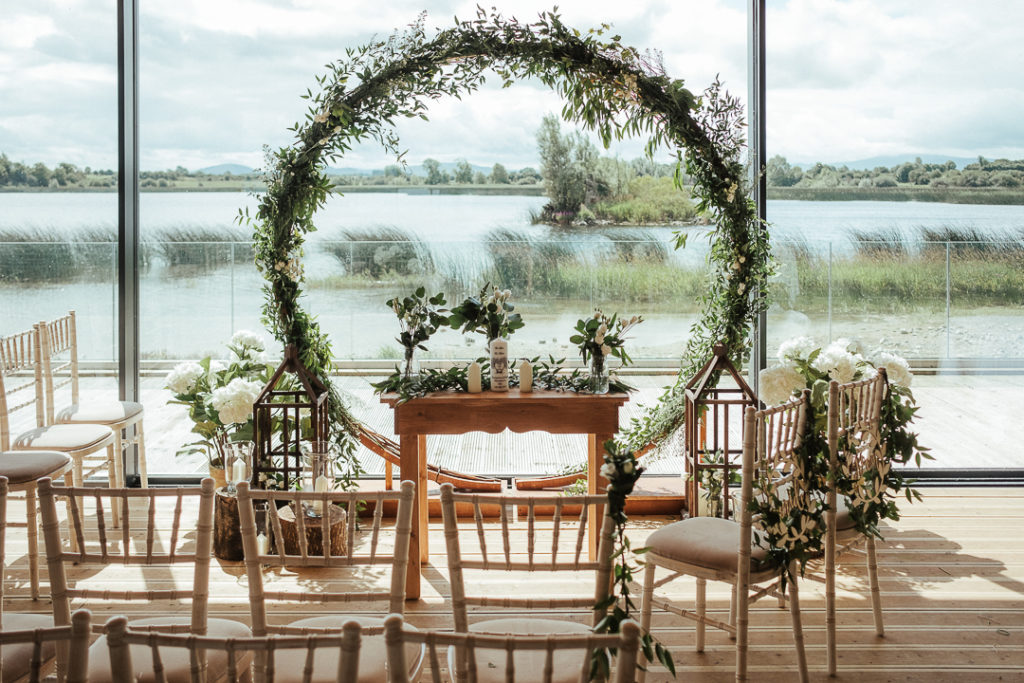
{"points": [[414, 170], [891, 160], [221, 169]]}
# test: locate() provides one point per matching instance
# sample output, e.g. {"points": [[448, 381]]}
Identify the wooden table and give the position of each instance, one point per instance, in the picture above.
{"points": [[597, 416]]}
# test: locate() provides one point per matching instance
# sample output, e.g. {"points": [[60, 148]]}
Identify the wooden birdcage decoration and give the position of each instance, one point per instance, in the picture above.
{"points": [[714, 427], [291, 409]]}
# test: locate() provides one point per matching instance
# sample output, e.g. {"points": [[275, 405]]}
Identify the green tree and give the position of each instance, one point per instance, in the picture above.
{"points": [[463, 172], [40, 175], [479, 178], [564, 179], [499, 175], [433, 169], [781, 174]]}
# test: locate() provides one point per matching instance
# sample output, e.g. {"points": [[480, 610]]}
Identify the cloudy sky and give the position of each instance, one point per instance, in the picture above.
{"points": [[847, 79]]}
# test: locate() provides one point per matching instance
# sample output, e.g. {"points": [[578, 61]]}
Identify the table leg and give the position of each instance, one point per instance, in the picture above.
{"points": [[409, 470], [595, 484], [421, 496]]}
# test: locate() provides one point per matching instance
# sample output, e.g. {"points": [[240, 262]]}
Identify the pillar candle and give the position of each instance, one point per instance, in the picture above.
{"points": [[499, 365], [319, 486], [238, 470], [262, 544], [473, 381], [525, 377]]}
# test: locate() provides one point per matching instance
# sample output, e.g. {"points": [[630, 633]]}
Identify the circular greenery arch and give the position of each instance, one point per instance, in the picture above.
{"points": [[610, 88]]}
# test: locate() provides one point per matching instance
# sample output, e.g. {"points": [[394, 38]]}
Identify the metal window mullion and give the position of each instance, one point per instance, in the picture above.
{"points": [[128, 209], [758, 160]]}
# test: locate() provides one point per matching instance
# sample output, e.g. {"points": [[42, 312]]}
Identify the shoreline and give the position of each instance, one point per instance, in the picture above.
{"points": [[938, 195]]}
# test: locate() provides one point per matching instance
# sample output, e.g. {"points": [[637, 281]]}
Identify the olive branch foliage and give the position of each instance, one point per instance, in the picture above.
{"points": [[612, 89]]}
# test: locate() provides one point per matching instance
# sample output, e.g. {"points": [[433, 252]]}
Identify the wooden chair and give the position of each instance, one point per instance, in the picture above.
{"points": [[563, 551], [237, 651], [20, 354], [506, 658], [854, 432], [59, 354], [363, 546], [713, 549], [26, 651], [23, 656], [144, 547], [20, 472]]}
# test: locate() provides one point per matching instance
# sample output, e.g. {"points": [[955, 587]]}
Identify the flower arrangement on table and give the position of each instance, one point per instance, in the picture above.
{"points": [[420, 317], [490, 313], [598, 337], [622, 470], [220, 396], [804, 365]]}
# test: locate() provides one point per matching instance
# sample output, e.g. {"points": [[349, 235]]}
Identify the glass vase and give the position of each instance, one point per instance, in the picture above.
{"points": [[598, 374], [411, 373]]}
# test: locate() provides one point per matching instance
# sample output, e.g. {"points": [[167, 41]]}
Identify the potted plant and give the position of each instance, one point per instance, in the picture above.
{"points": [[220, 397]]}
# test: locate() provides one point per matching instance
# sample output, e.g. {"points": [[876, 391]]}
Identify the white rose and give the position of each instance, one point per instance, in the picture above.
{"points": [[897, 369], [182, 379], [605, 349], [838, 363], [321, 117], [628, 467], [607, 470], [852, 345], [778, 383], [234, 402], [797, 347], [249, 340], [507, 294]]}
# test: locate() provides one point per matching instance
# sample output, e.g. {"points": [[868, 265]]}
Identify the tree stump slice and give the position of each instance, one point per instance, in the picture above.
{"points": [[314, 532], [227, 534]]}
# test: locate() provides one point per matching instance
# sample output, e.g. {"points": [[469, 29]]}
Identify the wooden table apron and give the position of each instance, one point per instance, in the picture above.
{"points": [[493, 412]]}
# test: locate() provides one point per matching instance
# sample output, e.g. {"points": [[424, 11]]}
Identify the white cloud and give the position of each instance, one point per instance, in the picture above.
{"points": [[847, 79]]}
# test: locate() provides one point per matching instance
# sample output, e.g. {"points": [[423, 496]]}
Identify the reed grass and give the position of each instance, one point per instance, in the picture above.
{"points": [[524, 263], [202, 248], [34, 255], [379, 253]]}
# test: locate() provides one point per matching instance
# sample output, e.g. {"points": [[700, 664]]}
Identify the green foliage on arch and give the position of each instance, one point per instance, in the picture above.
{"points": [[610, 88]]}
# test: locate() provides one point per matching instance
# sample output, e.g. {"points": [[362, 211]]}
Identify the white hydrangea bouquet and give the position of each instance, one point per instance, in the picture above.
{"points": [[220, 395], [803, 364]]}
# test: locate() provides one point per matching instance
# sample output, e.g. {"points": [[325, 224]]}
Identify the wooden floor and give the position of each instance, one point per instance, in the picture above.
{"points": [[952, 579]]}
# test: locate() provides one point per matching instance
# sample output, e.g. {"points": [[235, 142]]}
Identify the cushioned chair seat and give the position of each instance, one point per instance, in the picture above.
{"points": [[63, 437], [844, 522], [18, 658], [175, 660], [529, 664], [20, 467], [707, 542], [288, 664], [102, 412]]}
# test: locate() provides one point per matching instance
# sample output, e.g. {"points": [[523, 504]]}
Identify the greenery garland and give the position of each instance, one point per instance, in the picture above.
{"points": [[610, 88]]}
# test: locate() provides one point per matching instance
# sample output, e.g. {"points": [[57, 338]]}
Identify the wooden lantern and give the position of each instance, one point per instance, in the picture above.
{"points": [[714, 425], [286, 413]]}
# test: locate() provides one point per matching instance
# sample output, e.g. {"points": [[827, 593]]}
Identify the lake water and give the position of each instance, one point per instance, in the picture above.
{"points": [[187, 312], [469, 217]]}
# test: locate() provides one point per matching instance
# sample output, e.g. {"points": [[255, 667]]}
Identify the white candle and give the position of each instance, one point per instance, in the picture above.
{"points": [[499, 365], [238, 470], [262, 544], [473, 381], [525, 377], [319, 486]]}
